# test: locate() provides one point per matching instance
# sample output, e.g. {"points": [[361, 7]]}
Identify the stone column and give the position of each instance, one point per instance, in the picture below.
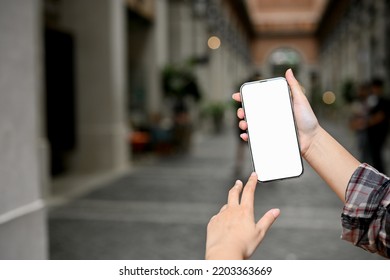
{"points": [[22, 215], [99, 30], [157, 57]]}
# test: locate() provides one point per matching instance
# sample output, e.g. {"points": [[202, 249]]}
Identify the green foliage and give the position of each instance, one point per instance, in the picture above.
{"points": [[180, 82], [214, 109]]}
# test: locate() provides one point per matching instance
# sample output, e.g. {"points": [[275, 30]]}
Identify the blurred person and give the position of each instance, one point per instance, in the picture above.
{"points": [[364, 191], [182, 128], [358, 120], [377, 123], [161, 134]]}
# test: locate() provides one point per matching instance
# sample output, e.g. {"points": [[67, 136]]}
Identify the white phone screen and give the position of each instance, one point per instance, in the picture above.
{"points": [[272, 134]]}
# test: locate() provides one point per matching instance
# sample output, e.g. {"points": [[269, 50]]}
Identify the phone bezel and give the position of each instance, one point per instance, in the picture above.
{"points": [[295, 129]]}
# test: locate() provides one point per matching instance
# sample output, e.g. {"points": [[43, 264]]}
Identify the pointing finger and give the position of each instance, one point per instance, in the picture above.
{"points": [[248, 195]]}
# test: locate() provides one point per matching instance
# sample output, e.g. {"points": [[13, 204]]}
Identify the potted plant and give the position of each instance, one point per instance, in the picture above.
{"points": [[179, 84], [216, 111]]}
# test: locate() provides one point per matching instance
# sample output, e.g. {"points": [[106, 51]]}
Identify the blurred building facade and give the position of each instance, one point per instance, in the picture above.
{"points": [[286, 37], [22, 216], [354, 43], [78, 78], [330, 44], [76, 74], [63, 86], [173, 38]]}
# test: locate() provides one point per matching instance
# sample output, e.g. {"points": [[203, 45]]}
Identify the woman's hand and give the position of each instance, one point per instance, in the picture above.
{"points": [[306, 121], [233, 232]]}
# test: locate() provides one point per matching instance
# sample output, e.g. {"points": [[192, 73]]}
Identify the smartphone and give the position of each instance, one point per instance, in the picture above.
{"points": [[273, 137]]}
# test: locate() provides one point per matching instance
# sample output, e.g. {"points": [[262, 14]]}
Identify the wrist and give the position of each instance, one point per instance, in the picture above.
{"points": [[224, 253], [312, 142], [331, 161]]}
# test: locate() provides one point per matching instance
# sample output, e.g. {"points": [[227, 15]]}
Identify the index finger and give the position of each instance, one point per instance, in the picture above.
{"points": [[248, 195], [237, 96]]}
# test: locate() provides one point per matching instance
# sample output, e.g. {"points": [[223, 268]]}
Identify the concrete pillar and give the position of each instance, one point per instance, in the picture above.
{"points": [[155, 57], [99, 30], [187, 29], [379, 35], [174, 32], [160, 57], [215, 74], [22, 215], [161, 27]]}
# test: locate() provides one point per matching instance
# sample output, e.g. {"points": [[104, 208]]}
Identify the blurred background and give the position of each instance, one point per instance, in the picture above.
{"points": [[118, 134]]}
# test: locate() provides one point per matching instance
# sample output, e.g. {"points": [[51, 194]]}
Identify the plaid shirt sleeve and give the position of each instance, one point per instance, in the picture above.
{"points": [[366, 213]]}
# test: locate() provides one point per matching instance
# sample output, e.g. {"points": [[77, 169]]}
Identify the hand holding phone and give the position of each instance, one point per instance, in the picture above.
{"points": [[272, 132]]}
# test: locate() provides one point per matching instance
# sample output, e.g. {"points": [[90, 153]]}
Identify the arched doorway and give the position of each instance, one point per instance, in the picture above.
{"points": [[283, 58]]}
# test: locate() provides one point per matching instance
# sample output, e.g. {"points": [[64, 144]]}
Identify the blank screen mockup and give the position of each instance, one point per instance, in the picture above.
{"points": [[271, 129]]}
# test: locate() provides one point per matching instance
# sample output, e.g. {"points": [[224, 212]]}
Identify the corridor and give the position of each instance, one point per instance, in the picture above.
{"points": [[160, 210]]}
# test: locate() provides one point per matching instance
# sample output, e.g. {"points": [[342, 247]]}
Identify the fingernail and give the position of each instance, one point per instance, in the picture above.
{"points": [[253, 174], [242, 135], [275, 212]]}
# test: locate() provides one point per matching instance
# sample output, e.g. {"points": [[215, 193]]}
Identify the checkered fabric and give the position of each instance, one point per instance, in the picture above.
{"points": [[366, 213]]}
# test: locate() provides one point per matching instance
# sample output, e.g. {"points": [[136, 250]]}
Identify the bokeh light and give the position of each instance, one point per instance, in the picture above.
{"points": [[328, 97], [214, 42]]}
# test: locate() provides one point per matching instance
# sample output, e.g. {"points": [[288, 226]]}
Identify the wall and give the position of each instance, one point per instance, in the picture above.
{"points": [[22, 215], [100, 38], [355, 49]]}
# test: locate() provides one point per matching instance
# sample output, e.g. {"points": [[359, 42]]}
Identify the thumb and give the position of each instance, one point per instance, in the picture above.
{"points": [[297, 93], [294, 84], [267, 220]]}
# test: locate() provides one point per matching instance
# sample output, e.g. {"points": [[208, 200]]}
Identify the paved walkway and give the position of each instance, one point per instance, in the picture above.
{"points": [[160, 210]]}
